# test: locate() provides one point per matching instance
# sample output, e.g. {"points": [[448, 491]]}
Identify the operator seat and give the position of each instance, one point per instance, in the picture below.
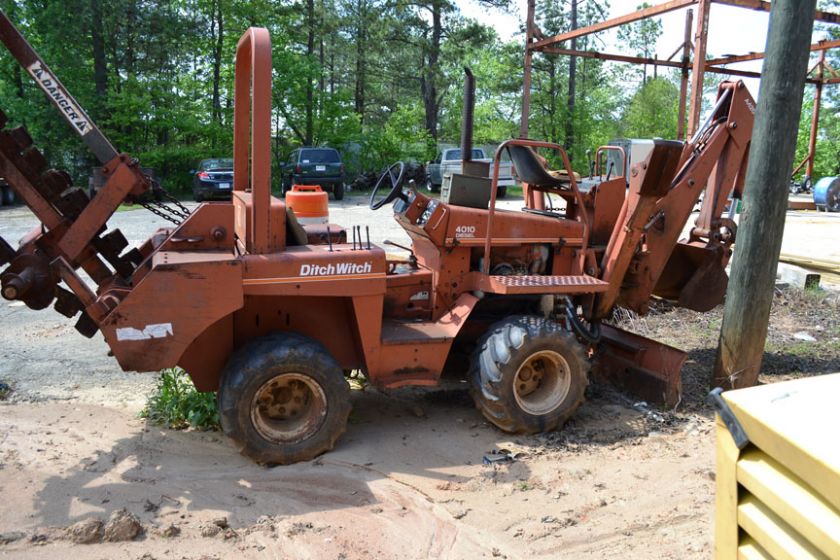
{"points": [[531, 170]]}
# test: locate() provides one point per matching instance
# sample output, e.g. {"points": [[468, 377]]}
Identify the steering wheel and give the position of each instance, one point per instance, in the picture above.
{"points": [[396, 180]]}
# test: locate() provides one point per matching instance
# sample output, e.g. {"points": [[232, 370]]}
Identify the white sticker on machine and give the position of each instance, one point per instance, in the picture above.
{"points": [[159, 330], [53, 89]]}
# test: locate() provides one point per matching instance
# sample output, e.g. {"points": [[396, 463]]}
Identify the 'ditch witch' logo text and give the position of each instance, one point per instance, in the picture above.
{"points": [[332, 269]]}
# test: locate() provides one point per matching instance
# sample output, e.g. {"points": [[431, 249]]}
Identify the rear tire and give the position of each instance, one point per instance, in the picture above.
{"points": [[283, 399], [338, 191], [198, 197], [528, 374], [501, 192]]}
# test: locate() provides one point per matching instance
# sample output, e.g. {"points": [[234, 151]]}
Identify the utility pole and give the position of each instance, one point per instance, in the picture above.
{"points": [[759, 238]]}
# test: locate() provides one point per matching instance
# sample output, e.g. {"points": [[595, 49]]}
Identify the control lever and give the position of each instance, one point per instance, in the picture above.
{"points": [[412, 260]]}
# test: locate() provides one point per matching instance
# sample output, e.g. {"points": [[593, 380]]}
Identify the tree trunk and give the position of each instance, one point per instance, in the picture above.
{"points": [[310, 51], [18, 76], [217, 62], [750, 293], [570, 125], [130, 19], [100, 67], [428, 82], [322, 83], [552, 99], [361, 50]]}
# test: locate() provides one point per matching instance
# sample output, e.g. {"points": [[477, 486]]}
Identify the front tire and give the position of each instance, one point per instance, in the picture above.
{"points": [[283, 399], [528, 374], [430, 187]]}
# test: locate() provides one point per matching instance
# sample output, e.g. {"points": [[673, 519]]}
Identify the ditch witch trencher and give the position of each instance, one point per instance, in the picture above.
{"points": [[273, 316]]}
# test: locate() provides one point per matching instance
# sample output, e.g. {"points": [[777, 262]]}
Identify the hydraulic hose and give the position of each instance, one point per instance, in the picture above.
{"points": [[591, 334]]}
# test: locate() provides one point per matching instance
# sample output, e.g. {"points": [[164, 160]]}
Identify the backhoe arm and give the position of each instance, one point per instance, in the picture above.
{"points": [[644, 256]]}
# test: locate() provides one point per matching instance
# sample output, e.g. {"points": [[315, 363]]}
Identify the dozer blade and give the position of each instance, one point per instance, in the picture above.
{"points": [[648, 369], [694, 277]]}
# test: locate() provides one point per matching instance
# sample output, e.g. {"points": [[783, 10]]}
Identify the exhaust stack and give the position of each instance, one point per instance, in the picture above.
{"points": [[467, 120], [469, 167]]}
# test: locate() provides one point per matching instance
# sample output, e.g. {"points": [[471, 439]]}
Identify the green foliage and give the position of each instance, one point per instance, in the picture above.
{"points": [[827, 160], [177, 404], [653, 111], [379, 80], [639, 38]]}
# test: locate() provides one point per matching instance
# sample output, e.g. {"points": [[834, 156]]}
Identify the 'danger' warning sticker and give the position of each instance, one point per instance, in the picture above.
{"points": [[56, 92]]}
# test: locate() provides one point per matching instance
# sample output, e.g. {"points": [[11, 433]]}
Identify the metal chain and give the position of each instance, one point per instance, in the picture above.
{"points": [[184, 210], [177, 213], [150, 207], [161, 209], [174, 215]]}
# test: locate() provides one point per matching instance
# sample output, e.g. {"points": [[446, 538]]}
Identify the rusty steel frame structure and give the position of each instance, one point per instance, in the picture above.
{"points": [[693, 69]]}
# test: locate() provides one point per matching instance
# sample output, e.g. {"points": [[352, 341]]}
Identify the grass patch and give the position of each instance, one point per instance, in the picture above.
{"points": [[176, 403]]}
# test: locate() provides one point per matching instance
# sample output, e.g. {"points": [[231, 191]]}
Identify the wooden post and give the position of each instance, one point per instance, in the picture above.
{"points": [[526, 81], [759, 240], [698, 68]]}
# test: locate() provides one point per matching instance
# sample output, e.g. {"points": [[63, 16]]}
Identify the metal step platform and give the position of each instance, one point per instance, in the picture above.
{"points": [[574, 284]]}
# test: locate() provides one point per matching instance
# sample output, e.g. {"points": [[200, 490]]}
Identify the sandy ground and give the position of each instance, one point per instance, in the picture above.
{"points": [[406, 481]]}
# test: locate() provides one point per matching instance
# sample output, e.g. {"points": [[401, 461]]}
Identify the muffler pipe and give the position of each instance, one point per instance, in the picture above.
{"points": [[467, 120]]}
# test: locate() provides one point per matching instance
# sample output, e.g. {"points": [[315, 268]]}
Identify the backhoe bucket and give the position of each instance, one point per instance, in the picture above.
{"points": [[648, 369], [694, 277]]}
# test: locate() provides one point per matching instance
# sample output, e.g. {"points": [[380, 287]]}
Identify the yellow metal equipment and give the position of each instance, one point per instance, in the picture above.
{"points": [[778, 492]]}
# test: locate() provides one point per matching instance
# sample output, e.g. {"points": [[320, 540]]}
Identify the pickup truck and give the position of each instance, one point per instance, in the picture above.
{"points": [[449, 161]]}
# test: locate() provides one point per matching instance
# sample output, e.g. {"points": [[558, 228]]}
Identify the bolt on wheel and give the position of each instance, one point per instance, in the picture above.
{"points": [[542, 382], [288, 408]]}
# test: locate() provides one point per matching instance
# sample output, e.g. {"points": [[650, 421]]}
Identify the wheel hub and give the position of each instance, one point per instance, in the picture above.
{"points": [[288, 408], [542, 382]]}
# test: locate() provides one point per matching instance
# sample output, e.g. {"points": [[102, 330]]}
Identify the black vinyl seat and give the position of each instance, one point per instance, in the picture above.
{"points": [[530, 170]]}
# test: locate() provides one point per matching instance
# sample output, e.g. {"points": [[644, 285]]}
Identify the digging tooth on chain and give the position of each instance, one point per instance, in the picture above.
{"points": [[86, 326], [72, 202], [67, 303], [110, 246], [134, 256], [53, 183], [35, 159], [21, 137], [7, 253]]}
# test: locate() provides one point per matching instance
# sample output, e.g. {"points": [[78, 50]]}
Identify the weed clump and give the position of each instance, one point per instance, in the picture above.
{"points": [[176, 403]]}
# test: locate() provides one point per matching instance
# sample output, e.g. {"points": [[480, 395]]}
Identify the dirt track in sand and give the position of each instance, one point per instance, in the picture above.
{"points": [[397, 486]]}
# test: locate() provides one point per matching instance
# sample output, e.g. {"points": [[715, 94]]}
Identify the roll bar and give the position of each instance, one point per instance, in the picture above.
{"points": [[252, 131]]}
